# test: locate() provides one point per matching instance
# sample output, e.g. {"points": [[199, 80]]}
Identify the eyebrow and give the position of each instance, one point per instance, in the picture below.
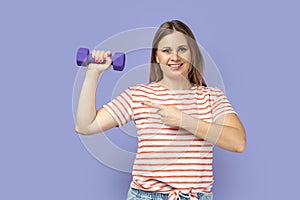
{"points": [[178, 46]]}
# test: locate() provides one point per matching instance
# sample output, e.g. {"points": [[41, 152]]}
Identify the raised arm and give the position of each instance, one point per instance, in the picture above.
{"points": [[88, 119]]}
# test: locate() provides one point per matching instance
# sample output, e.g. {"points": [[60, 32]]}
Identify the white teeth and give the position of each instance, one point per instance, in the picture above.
{"points": [[175, 65]]}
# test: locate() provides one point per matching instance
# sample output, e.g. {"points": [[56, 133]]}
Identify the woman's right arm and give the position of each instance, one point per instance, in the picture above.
{"points": [[88, 119]]}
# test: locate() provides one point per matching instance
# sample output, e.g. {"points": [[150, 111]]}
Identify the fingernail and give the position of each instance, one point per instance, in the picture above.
{"points": [[142, 103]]}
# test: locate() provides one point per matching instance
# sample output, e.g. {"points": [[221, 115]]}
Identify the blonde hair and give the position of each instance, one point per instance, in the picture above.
{"points": [[195, 74]]}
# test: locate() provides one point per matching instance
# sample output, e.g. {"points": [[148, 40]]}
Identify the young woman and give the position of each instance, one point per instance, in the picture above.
{"points": [[179, 119]]}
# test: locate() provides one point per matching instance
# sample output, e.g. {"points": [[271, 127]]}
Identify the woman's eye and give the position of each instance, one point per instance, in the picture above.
{"points": [[182, 49], [166, 50]]}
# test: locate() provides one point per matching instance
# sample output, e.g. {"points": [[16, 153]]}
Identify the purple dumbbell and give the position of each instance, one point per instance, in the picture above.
{"points": [[84, 57]]}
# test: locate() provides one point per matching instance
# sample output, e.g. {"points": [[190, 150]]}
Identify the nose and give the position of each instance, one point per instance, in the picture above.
{"points": [[175, 57]]}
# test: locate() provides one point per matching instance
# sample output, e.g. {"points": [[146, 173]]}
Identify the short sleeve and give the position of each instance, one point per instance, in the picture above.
{"points": [[220, 104], [120, 107]]}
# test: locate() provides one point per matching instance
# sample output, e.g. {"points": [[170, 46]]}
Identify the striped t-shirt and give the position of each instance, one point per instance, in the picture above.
{"points": [[170, 159]]}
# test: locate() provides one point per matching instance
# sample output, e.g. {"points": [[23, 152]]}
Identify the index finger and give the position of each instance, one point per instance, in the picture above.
{"points": [[107, 54], [154, 105]]}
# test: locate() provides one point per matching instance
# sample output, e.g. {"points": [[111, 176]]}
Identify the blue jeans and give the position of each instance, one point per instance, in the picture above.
{"points": [[136, 194]]}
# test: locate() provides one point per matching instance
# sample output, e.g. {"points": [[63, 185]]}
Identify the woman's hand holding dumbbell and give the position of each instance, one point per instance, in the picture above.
{"points": [[102, 61], [83, 58]]}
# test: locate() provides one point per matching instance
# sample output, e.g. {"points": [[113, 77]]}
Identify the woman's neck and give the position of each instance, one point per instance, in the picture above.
{"points": [[178, 84]]}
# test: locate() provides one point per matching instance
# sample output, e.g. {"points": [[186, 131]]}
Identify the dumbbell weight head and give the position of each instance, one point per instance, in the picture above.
{"points": [[83, 58]]}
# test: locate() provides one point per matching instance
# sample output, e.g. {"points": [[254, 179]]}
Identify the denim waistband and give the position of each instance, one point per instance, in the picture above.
{"points": [[173, 195]]}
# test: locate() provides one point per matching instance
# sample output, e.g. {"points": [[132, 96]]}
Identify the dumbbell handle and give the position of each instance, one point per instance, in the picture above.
{"points": [[84, 57], [90, 59]]}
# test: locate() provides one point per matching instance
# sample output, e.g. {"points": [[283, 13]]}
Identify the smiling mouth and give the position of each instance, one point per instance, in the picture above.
{"points": [[175, 66]]}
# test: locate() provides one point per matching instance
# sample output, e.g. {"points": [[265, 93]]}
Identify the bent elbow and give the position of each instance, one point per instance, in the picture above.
{"points": [[241, 149], [242, 146], [242, 141], [81, 131], [86, 130]]}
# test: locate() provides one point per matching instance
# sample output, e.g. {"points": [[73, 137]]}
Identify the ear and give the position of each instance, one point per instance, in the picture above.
{"points": [[157, 59]]}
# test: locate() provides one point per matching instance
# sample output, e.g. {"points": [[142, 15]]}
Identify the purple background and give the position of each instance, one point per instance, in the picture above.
{"points": [[254, 43]]}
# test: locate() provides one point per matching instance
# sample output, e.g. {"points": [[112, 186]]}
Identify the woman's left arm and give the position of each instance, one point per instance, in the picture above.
{"points": [[226, 132]]}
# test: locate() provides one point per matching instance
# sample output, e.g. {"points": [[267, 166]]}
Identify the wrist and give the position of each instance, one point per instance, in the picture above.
{"points": [[191, 124], [186, 121], [93, 72]]}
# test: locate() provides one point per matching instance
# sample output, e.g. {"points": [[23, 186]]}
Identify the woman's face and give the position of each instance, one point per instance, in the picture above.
{"points": [[174, 55]]}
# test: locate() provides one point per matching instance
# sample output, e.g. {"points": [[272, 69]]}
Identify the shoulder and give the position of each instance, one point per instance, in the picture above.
{"points": [[213, 93], [208, 89], [214, 90], [139, 89]]}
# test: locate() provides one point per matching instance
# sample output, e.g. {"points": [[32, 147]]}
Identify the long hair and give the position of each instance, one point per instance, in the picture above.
{"points": [[195, 74]]}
